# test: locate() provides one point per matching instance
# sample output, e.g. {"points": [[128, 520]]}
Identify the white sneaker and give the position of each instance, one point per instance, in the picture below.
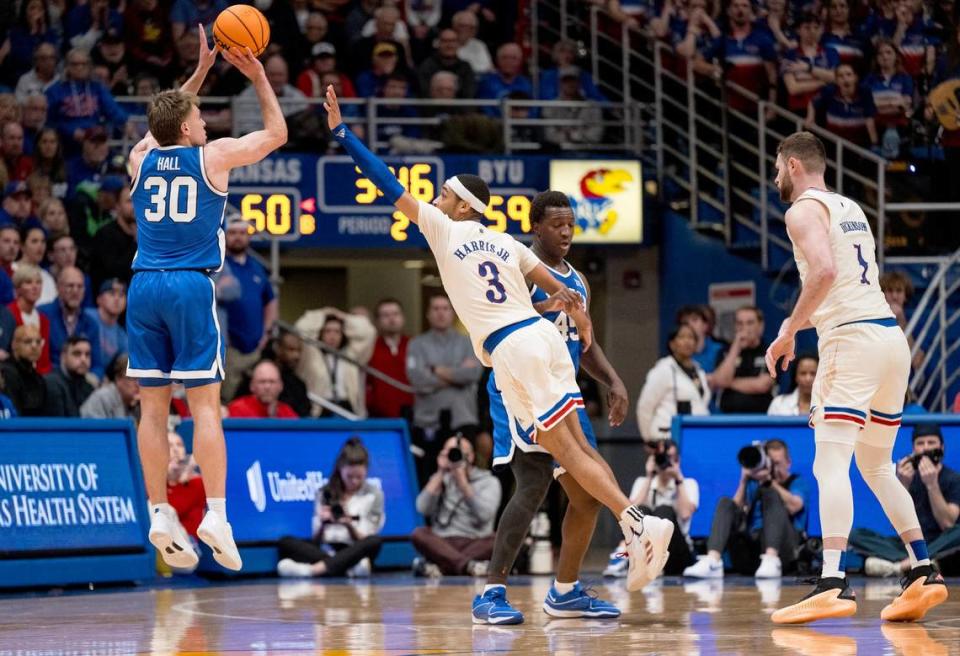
{"points": [[219, 537], [705, 568], [880, 568], [770, 567], [173, 543], [288, 568], [646, 549]]}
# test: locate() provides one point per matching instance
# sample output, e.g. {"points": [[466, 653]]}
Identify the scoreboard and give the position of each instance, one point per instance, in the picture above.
{"points": [[324, 201]]}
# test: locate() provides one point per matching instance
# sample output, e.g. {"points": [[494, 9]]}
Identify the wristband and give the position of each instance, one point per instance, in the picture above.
{"points": [[369, 164]]}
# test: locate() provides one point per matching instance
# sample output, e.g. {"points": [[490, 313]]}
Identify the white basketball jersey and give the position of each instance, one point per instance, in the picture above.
{"points": [[483, 273], [855, 294]]}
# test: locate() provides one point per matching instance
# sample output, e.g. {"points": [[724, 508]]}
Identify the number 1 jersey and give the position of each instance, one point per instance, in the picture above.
{"points": [[180, 214], [855, 294], [483, 272]]}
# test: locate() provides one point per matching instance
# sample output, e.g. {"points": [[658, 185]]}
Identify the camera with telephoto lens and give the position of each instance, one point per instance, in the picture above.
{"points": [[753, 458], [454, 455], [662, 460], [935, 455]]}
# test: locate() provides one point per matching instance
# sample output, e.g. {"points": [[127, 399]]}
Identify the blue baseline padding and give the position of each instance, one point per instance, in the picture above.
{"points": [[70, 441], [709, 445], [298, 447]]}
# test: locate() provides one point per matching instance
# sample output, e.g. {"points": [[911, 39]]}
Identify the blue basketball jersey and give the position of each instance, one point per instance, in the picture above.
{"points": [[566, 326], [180, 222]]}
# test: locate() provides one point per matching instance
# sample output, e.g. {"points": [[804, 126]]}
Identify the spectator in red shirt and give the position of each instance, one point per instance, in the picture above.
{"points": [[184, 486], [28, 285], [809, 67], [390, 357], [264, 401], [17, 165]]}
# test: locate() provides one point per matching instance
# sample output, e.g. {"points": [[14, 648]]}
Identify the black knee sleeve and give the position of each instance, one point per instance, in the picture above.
{"points": [[533, 473]]}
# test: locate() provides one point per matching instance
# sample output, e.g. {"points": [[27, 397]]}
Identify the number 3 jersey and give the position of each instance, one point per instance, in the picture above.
{"points": [[483, 272], [179, 212], [855, 294]]}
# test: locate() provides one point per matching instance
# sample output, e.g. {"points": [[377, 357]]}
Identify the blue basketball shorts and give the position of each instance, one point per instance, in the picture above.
{"points": [[172, 329]]}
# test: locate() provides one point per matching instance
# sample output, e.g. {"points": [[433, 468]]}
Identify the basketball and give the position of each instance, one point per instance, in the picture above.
{"points": [[242, 26]]}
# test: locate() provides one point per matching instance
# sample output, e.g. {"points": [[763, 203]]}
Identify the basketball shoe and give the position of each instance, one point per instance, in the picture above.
{"points": [[578, 603], [923, 588], [218, 535], [492, 607], [646, 538], [171, 540], [832, 598]]}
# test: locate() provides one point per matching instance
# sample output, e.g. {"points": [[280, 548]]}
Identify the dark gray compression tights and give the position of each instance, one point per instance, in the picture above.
{"points": [[533, 473]]}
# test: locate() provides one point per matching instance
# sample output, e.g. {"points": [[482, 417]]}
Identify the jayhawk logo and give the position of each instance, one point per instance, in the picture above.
{"points": [[593, 208]]}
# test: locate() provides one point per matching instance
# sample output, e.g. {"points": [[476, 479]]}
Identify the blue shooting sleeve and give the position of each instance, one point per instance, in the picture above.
{"points": [[369, 164]]}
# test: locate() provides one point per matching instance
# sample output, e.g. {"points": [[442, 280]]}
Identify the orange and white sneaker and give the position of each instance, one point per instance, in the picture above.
{"points": [[831, 599], [923, 588]]}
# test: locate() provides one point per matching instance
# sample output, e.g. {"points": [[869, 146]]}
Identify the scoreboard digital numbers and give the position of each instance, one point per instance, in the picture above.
{"points": [[323, 201], [273, 212]]}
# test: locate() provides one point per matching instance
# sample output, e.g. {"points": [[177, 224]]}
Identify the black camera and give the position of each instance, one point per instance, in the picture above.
{"points": [[935, 455], [662, 460], [336, 510], [753, 457], [454, 455]]}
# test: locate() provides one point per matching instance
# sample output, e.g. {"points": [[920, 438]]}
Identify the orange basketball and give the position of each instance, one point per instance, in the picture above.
{"points": [[241, 26]]}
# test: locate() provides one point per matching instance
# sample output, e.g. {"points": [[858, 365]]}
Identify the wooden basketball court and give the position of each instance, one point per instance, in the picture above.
{"points": [[396, 614]]}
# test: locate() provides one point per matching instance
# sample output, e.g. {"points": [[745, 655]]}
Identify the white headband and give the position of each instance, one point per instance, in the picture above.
{"points": [[464, 193]]}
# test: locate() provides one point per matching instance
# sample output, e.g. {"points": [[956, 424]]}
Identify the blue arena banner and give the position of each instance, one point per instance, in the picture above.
{"points": [[276, 467], [313, 201], [68, 490], [709, 446], [72, 503]]}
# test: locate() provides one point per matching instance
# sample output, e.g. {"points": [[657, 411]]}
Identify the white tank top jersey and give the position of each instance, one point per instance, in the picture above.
{"points": [[855, 294], [483, 272]]}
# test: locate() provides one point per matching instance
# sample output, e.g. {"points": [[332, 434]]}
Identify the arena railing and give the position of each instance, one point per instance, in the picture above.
{"points": [[619, 123]]}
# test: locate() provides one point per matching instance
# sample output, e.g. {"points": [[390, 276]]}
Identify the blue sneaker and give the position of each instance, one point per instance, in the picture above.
{"points": [[578, 603], [492, 607], [617, 566]]}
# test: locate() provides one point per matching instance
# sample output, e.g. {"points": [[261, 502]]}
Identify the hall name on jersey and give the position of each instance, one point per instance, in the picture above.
{"points": [[854, 226], [168, 163], [481, 246]]}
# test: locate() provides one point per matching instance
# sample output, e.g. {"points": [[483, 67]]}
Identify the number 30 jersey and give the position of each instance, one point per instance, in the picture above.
{"points": [[564, 324], [483, 273], [179, 212], [855, 294]]}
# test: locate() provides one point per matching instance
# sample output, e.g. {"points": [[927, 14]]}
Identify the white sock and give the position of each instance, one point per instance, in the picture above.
{"points": [[218, 505], [488, 588], [564, 588], [164, 508], [834, 564]]}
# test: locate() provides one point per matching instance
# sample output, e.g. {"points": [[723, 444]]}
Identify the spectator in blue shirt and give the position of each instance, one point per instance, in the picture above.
{"points": [[185, 14], [111, 304], [565, 54], [17, 206], [67, 318], [77, 102], [891, 87], [397, 86], [809, 67], [7, 325], [253, 314], [846, 109], [767, 513], [86, 23], [508, 76], [708, 349], [383, 64], [33, 27], [91, 164], [840, 35]]}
